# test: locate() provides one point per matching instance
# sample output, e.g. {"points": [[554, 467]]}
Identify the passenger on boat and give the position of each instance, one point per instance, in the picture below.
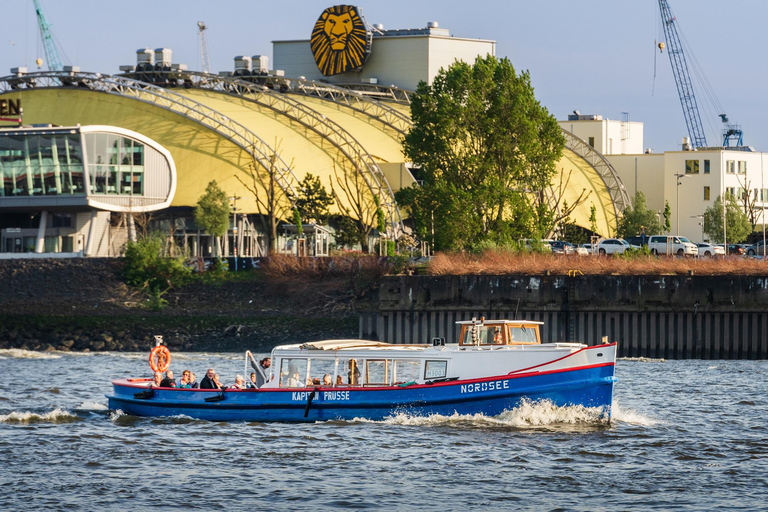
{"points": [[353, 375], [192, 383], [252, 384], [239, 383], [327, 380], [168, 381], [294, 379], [208, 382], [260, 368], [158, 379], [339, 380], [184, 382], [217, 381]]}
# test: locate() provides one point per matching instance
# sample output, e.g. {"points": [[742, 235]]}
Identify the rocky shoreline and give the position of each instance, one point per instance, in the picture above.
{"points": [[83, 305]]}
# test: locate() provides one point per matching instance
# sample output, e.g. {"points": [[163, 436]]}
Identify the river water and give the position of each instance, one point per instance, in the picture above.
{"points": [[686, 435]]}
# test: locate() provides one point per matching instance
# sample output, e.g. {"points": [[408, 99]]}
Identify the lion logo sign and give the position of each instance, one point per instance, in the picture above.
{"points": [[339, 40]]}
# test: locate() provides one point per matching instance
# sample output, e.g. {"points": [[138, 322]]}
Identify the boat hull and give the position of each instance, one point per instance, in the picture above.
{"points": [[588, 386]]}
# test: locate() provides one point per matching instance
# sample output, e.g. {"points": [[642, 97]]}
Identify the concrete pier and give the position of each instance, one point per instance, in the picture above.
{"points": [[671, 317]]}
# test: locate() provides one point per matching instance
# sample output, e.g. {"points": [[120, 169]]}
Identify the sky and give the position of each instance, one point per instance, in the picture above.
{"points": [[594, 56]]}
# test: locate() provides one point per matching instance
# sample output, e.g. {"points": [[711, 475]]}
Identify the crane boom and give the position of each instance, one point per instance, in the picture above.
{"points": [[204, 56], [682, 77], [53, 60]]}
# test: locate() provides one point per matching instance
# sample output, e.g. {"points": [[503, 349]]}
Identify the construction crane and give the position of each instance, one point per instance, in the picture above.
{"points": [[682, 76], [206, 60], [51, 51]]}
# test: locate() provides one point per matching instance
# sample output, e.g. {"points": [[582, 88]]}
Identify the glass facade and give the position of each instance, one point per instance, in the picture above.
{"points": [[115, 164], [52, 164], [41, 164]]}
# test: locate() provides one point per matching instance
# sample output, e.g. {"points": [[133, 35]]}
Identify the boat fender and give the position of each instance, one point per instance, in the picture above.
{"points": [[160, 358], [144, 395], [216, 398], [309, 401]]}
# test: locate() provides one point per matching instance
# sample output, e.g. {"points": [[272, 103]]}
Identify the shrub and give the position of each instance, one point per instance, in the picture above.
{"points": [[145, 265]]}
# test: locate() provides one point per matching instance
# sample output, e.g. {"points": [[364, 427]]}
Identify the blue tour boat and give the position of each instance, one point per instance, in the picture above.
{"points": [[495, 366]]}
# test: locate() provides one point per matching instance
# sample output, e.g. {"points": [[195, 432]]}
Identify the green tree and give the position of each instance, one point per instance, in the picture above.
{"points": [[593, 219], [667, 217], [313, 200], [212, 213], [487, 150], [637, 217], [737, 225]]}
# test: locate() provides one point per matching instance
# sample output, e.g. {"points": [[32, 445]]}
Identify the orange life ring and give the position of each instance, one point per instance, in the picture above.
{"points": [[160, 358]]}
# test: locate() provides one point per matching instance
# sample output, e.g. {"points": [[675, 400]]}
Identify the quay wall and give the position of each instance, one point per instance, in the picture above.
{"points": [[665, 316]]}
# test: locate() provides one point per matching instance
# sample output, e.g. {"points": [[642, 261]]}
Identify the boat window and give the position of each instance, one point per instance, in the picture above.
{"points": [[483, 334], [379, 371], [406, 370], [435, 370], [293, 373], [523, 335], [319, 368], [352, 371]]}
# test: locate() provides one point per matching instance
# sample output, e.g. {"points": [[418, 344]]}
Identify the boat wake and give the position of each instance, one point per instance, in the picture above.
{"points": [[17, 353], [25, 418], [529, 414], [91, 406], [630, 417]]}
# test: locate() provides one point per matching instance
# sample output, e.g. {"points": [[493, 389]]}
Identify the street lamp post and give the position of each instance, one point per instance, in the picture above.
{"points": [[678, 177], [234, 226]]}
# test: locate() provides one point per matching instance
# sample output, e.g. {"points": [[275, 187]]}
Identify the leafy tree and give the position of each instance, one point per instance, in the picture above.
{"points": [[212, 212], [347, 232], [487, 150], [593, 218], [147, 268], [637, 217], [737, 225], [667, 217], [313, 200]]}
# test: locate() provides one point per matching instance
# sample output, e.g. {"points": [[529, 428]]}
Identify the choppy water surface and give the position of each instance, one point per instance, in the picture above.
{"points": [[686, 435]]}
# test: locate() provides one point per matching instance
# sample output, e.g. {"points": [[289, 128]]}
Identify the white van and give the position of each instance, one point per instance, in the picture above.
{"points": [[668, 244]]}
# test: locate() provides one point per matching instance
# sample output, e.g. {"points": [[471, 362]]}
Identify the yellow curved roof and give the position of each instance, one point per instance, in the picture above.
{"points": [[201, 154]]}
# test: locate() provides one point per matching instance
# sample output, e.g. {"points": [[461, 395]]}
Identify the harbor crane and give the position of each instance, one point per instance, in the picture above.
{"points": [[204, 56], [685, 85], [53, 60]]}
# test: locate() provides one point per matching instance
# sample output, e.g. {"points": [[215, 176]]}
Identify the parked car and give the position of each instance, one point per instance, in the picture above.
{"points": [[669, 244], [612, 246], [734, 249], [567, 248], [707, 250], [757, 249], [637, 241]]}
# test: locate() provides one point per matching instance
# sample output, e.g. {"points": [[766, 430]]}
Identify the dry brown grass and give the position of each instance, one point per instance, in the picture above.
{"points": [[501, 262], [282, 265]]}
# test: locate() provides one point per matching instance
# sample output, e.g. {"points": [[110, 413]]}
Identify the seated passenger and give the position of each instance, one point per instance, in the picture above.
{"points": [[207, 382], [294, 379], [158, 379], [252, 384], [327, 380], [184, 382], [216, 381], [339, 380], [168, 381], [192, 383], [239, 383]]}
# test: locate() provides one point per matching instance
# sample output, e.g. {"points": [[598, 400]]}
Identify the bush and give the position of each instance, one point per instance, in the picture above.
{"points": [[145, 265]]}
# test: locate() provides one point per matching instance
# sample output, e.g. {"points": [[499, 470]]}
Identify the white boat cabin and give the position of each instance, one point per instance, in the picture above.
{"points": [[363, 363]]}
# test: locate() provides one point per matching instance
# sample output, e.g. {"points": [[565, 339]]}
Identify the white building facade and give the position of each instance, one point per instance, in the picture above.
{"points": [[689, 180]]}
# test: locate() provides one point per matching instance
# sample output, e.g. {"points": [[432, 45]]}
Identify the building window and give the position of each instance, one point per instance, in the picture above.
{"points": [[706, 166], [742, 167], [591, 142], [730, 166], [691, 167], [706, 193], [730, 191], [764, 195], [116, 164]]}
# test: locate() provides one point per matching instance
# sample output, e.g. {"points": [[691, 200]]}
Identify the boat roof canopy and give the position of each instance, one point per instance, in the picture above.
{"points": [[483, 321], [349, 344]]}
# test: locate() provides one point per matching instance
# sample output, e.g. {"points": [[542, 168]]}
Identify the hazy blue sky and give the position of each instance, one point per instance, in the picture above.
{"points": [[596, 56]]}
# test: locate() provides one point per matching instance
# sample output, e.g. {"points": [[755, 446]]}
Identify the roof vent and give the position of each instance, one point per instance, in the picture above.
{"points": [[433, 24]]}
